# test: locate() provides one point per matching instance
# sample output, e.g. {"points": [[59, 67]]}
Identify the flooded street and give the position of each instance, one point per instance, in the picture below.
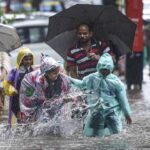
{"points": [[40, 109], [133, 137]]}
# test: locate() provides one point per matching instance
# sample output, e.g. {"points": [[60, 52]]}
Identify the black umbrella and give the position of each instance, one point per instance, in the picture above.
{"points": [[105, 21], [118, 46]]}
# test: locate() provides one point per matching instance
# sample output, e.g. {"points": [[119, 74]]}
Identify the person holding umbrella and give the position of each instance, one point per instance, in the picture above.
{"points": [[75, 45], [83, 57]]}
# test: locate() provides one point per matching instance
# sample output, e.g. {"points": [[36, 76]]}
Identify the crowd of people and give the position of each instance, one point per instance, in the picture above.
{"points": [[89, 67]]}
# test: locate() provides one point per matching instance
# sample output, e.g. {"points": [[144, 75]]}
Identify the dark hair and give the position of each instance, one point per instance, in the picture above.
{"points": [[85, 24]]}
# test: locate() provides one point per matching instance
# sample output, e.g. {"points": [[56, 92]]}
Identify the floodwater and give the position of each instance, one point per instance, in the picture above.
{"points": [[133, 137]]}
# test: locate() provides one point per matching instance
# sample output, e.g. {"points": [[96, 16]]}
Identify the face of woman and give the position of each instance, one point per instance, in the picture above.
{"points": [[27, 61], [52, 75]]}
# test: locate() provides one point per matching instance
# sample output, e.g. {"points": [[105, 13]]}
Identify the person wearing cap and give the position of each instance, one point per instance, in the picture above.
{"points": [[12, 84]]}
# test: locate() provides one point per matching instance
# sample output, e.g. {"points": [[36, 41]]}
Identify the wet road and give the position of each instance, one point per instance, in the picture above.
{"points": [[134, 137]]}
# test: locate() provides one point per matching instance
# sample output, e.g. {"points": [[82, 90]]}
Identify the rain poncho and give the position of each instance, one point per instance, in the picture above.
{"points": [[36, 89], [13, 81], [27, 98], [106, 102], [47, 87], [52, 92], [24, 51]]}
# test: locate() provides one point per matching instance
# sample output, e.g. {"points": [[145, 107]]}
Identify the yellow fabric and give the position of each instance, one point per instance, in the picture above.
{"points": [[8, 88], [13, 121], [22, 53]]}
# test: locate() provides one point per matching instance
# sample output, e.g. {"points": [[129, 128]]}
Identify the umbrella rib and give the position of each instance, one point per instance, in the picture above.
{"points": [[4, 45], [2, 32]]}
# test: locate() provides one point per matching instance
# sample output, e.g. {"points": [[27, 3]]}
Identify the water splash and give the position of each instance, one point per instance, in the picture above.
{"points": [[61, 124]]}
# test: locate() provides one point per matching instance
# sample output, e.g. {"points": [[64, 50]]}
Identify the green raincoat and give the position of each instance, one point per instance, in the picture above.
{"points": [[107, 102]]}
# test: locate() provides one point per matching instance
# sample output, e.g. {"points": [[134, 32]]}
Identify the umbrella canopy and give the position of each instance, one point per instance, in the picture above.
{"points": [[105, 21], [9, 39]]}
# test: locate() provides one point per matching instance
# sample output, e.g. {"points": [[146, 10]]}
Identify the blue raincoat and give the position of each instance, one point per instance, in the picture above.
{"points": [[107, 102]]}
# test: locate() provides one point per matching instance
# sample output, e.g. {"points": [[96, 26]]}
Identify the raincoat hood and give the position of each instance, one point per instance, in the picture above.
{"points": [[105, 62], [24, 51], [48, 64]]}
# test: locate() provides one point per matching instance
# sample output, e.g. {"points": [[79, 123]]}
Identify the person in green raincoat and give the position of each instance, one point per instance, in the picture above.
{"points": [[107, 101]]}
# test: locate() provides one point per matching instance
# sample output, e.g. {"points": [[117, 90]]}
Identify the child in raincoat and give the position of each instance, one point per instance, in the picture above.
{"points": [[110, 103], [12, 84], [42, 86]]}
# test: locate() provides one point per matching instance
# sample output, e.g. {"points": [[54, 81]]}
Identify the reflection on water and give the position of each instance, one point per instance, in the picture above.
{"points": [[133, 137]]}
